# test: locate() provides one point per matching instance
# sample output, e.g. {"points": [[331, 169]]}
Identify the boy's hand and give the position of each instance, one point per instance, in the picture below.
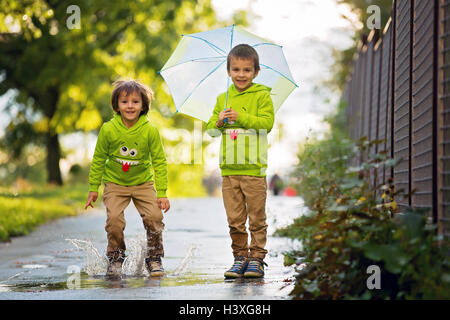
{"points": [[222, 115], [163, 204], [220, 122], [231, 114], [92, 197]]}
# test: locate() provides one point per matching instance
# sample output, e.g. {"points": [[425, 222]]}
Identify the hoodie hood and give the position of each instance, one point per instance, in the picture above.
{"points": [[118, 123], [255, 87]]}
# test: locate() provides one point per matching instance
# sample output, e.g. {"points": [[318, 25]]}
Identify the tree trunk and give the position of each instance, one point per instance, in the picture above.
{"points": [[53, 157]]}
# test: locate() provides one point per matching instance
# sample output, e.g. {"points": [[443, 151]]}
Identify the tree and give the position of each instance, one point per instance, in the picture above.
{"points": [[61, 76]]}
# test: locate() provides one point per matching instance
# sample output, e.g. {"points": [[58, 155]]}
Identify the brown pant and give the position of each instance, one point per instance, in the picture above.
{"points": [[116, 198], [245, 196]]}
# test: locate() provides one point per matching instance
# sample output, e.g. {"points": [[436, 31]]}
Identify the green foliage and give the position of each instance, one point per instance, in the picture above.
{"points": [[22, 212], [323, 161], [185, 180], [350, 227]]}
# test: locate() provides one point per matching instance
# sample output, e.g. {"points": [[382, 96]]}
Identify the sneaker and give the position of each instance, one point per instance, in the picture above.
{"points": [[114, 270], [237, 269], [154, 266], [255, 268]]}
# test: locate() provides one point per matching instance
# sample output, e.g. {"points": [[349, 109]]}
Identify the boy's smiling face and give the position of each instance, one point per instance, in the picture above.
{"points": [[242, 72], [130, 107]]}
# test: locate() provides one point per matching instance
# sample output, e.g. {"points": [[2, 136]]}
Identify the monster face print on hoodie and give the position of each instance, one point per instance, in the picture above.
{"points": [[127, 154]]}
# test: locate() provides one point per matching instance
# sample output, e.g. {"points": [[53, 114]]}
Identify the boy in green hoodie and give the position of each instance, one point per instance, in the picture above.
{"points": [[243, 116], [127, 147]]}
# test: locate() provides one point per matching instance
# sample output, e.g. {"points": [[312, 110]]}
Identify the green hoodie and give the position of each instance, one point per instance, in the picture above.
{"points": [[125, 155], [243, 148]]}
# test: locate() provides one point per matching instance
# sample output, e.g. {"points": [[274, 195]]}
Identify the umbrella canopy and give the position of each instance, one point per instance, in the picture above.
{"points": [[196, 72]]}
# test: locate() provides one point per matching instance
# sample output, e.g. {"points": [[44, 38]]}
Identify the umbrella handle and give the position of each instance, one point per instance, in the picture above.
{"points": [[226, 99]]}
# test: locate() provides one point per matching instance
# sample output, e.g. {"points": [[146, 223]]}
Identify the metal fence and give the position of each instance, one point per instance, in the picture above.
{"points": [[398, 92]]}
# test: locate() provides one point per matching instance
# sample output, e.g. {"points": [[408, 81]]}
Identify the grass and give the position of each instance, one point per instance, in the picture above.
{"points": [[22, 211]]}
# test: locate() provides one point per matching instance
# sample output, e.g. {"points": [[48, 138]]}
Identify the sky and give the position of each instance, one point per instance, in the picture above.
{"points": [[307, 30]]}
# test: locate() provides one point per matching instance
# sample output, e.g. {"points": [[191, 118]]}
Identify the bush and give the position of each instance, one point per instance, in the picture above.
{"points": [[350, 227]]}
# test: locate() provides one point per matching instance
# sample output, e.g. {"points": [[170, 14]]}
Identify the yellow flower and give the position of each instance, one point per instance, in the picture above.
{"points": [[393, 205], [360, 200]]}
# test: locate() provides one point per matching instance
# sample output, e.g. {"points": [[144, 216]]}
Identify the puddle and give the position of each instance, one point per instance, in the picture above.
{"points": [[134, 273], [4, 288], [92, 274], [101, 282]]}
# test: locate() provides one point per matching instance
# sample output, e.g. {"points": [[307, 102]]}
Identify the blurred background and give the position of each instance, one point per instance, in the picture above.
{"points": [[56, 74]]}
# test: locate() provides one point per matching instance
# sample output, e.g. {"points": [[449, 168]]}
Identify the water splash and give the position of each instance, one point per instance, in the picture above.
{"points": [[134, 263], [96, 263], [185, 262]]}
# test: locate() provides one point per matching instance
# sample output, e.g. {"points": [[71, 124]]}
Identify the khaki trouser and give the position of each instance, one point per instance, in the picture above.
{"points": [[245, 196], [116, 198]]}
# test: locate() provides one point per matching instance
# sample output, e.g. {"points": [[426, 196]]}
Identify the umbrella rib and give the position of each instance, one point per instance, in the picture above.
{"points": [[266, 43], [212, 71], [192, 60], [278, 73], [212, 45]]}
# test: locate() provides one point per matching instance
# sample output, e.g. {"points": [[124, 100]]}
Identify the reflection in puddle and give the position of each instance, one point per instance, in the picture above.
{"points": [[97, 282], [34, 266]]}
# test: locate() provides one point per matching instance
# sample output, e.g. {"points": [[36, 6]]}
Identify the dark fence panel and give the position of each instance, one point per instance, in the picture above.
{"points": [[444, 117], [402, 101], [422, 105], [375, 105], [368, 86], [364, 93], [400, 94], [359, 95], [384, 126]]}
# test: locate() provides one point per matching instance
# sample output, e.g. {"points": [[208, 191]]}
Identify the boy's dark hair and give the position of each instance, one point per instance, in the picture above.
{"points": [[130, 86], [244, 51]]}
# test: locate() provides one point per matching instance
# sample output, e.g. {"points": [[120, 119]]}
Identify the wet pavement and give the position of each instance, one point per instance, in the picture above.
{"points": [[46, 265]]}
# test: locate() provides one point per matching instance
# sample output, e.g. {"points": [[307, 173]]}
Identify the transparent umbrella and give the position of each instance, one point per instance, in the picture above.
{"points": [[196, 72]]}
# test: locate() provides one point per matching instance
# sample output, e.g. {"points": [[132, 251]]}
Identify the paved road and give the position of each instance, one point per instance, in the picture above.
{"points": [[44, 264]]}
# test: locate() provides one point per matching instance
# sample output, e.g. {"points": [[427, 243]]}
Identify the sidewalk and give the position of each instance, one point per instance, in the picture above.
{"points": [[197, 252]]}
